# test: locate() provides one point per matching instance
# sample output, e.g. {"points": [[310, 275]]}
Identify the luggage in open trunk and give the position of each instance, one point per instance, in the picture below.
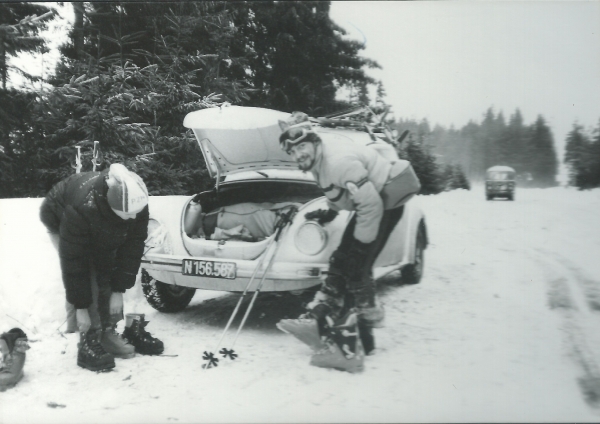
{"points": [[237, 219]]}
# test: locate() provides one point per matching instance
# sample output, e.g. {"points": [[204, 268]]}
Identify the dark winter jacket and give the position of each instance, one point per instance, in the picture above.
{"points": [[91, 234]]}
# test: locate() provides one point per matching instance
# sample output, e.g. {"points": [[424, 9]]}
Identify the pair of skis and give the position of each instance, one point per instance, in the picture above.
{"points": [[270, 252], [95, 158]]}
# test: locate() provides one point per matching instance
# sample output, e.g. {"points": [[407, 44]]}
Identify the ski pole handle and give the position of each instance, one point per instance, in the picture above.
{"points": [[95, 156], [78, 160]]}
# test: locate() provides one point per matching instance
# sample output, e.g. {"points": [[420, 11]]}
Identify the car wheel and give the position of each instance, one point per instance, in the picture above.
{"points": [[165, 297], [511, 197], [489, 196], [412, 273]]}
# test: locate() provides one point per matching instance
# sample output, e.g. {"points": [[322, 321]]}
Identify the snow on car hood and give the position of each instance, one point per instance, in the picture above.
{"points": [[236, 138]]}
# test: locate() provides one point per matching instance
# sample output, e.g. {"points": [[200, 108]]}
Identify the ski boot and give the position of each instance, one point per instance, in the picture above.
{"points": [[142, 340], [308, 327], [305, 328], [91, 355], [116, 345], [13, 345], [344, 349], [366, 308]]}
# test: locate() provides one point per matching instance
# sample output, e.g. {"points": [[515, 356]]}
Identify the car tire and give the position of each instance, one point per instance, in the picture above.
{"points": [[489, 196], [511, 197], [165, 297], [412, 273]]}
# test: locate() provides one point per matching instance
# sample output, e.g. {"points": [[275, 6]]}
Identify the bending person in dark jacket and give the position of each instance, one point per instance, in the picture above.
{"points": [[98, 221]]}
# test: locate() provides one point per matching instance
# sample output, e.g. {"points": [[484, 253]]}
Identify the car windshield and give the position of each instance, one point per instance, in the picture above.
{"points": [[499, 176]]}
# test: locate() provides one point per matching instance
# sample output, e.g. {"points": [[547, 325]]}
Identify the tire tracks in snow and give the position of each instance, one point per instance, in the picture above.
{"points": [[576, 297]]}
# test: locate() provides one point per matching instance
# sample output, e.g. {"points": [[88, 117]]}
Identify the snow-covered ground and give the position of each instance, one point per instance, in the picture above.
{"points": [[503, 327]]}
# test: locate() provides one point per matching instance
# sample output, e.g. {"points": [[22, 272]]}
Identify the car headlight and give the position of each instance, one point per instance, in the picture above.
{"points": [[310, 238]]}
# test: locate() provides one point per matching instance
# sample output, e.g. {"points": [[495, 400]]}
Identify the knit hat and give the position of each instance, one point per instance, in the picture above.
{"points": [[126, 190]]}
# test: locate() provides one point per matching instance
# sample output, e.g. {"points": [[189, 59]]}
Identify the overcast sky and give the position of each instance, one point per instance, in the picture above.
{"points": [[450, 61]]}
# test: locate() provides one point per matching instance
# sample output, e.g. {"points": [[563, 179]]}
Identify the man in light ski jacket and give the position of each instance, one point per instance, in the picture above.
{"points": [[98, 221], [352, 177]]}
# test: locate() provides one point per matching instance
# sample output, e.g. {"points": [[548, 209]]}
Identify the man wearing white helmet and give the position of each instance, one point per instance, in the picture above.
{"points": [[98, 221], [360, 179]]}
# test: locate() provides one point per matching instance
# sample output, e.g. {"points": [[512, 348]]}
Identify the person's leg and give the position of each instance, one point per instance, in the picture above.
{"points": [[329, 300], [99, 309], [71, 317], [309, 328], [362, 286], [71, 311], [390, 219], [111, 340]]}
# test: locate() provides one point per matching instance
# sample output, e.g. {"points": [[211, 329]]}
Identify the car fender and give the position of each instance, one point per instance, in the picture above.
{"points": [[334, 230], [416, 217], [168, 211], [401, 245]]}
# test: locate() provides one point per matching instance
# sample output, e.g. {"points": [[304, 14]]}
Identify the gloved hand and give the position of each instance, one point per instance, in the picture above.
{"points": [[322, 216]]}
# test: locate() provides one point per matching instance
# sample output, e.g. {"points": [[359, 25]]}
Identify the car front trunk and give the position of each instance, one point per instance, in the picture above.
{"points": [[254, 204]]}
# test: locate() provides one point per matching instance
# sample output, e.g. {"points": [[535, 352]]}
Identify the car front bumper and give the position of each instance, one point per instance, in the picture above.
{"points": [[282, 276], [499, 189]]}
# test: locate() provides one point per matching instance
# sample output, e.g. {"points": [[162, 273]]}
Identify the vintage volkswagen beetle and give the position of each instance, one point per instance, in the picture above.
{"points": [[500, 182], [241, 149]]}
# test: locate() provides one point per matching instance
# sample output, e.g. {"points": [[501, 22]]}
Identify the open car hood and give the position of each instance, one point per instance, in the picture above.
{"points": [[236, 138]]}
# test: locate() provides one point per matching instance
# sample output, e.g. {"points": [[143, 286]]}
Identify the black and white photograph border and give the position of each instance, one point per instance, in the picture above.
{"points": [[502, 327]]}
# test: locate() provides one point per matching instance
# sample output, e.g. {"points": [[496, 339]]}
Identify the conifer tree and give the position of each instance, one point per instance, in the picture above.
{"points": [[133, 70], [298, 58], [582, 156], [543, 163], [594, 157], [576, 150], [424, 164], [20, 26], [135, 112]]}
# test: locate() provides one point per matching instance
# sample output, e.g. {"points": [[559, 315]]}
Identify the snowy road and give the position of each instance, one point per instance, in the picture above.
{"points": [[503, 327]]}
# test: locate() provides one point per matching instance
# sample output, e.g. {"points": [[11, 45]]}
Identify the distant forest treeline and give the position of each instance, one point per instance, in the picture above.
{"points": [[131, 71], [529, 149]]}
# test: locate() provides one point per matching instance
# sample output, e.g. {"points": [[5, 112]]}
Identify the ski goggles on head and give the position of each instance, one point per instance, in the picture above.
{"points": [[293, 136]]}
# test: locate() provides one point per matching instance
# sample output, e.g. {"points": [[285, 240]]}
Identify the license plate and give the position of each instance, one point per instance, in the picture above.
{"points": [[210, 269]]}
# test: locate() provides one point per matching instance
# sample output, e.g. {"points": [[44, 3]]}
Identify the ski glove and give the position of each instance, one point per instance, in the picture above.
{"points": [[322, 216]]}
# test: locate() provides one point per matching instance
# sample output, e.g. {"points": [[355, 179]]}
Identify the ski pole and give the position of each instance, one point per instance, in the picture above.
{"points": [[285, 220], [254, 296], [209, 356]]}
